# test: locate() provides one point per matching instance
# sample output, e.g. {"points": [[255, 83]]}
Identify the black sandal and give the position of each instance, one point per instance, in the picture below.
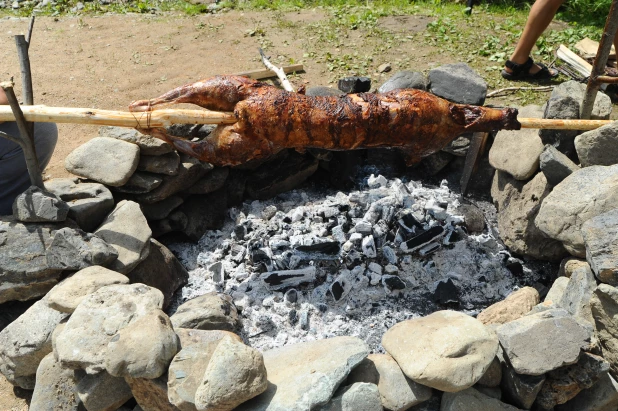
{"points": [[522, 71]]}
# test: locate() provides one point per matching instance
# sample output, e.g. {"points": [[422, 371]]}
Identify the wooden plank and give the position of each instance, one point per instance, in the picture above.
{"points": [[588, 48], [266, 73], [473, 158], [577, 63]]}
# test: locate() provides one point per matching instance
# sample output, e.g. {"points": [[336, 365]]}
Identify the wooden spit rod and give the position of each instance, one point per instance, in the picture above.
{"points": [[166, 117]]}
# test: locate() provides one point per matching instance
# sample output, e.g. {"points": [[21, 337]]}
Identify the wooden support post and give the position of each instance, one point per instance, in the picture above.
{"points": [[27, 140], [24, 63]]}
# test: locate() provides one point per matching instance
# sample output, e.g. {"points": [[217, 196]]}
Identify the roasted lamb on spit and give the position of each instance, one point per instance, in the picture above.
{"points": [[270, 119]]}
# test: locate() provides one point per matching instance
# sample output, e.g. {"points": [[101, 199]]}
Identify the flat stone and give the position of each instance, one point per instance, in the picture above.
{"points": [[555, 165], [517, 205], [188, 366], [98, 318], [570, 264], [405, 79], [565, 383], [459, 147], [142, 349], [211, 311], [39, 206], [24, 272], [148, 145], [89, 203], [101, 392], [602, 107], [140, 183], [493, 375], [151, 394], [583, 195], [323, 91], [235, 374], [472, 400], [515, 306], [561, 107], [105, 160], [458, 83], [601, 239], [73, 249], [161, 270], [598, 147], [67, 295], [602, 396], [578, 292], [212, 181], [190, 170], [163, 164], [397, 392], [525, 143], [162, 209], [604, 305], [55, 387], [26, 341], [126, 229], [360, 396], [304, 376], [518, 389], [204, 213], [538, 343], [446, 350]]}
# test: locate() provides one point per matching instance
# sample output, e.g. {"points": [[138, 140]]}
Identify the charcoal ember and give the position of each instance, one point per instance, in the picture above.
{"points": [[363, 227], [291, 296], [342, 285], [262, 256], [354, 84], [293, 317], [277, 280], [327, 247], [388, 214], [238, 253], [446, 292], [393, 282], [373, 214], [369, 247], [423, 239], [217, 272], [304, 320], [428, 249], [389, 254]]}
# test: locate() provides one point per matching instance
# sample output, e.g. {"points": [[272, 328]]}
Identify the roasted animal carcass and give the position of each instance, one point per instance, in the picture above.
{"points": [[270, 119]]}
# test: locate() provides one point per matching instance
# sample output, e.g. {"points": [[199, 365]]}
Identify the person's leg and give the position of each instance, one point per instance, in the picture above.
{"points": [[14, 178], [541, 14]]}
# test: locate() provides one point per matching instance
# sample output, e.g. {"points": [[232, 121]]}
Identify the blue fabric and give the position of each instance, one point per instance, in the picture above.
{"points": [[14, 178]]}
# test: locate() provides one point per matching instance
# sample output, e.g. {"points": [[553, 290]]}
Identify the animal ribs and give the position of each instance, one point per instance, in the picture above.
{"points": [[270, 119]]}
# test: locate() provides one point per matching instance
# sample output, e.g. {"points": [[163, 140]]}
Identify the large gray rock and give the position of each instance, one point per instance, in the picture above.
{"points": [[24, 272], [210, 182], [164, 164], [578, 292], [103, 159], [601, 239], [458, 83], [26, 341], [517, 152], [446, 350], [472, 400], [89, 203], [148, 145], [598, 147], [98, 318], [602, 396], [73, 249], [583, 195], [516, 305], [151, 394], [602, 107], [101, 392], [190, 171], [39, 206], [304, 376], [160, 210], [235, 374], [405, 79], [188, 366], [538, 343], [493, 375], [161, 270], [67, 295], [397, 392], [360, 396], [55, 387], [211, 311], [142, 349], [561, 107], [555, 165], [604, 305], [565, 383], [126, 229], [140, 183], [518, 204], [518, 389]]}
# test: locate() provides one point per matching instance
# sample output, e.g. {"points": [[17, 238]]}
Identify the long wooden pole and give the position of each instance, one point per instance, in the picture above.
{"points": [[166, 117]]}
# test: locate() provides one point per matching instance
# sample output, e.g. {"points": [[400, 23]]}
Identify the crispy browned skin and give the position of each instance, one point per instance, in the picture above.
{"points": [[271, 119]]}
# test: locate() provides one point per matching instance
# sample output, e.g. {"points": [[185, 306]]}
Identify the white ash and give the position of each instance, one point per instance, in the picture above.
{"points": [[352, 272]]}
